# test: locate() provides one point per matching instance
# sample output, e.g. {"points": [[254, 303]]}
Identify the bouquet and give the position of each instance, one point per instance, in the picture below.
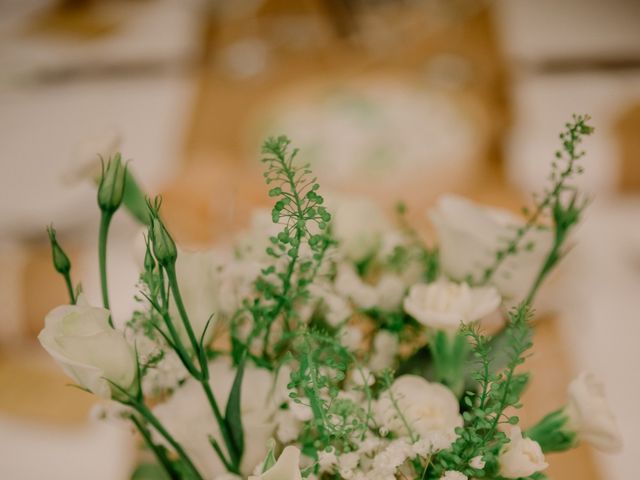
{"points": [[330, 341]]}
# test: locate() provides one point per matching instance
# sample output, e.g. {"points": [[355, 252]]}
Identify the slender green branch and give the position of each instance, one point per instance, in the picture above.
{"points": [[158, 451], [105, 221]]}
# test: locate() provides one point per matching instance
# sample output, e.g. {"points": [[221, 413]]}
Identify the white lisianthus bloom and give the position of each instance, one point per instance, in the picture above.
{"points": [[286, 468], [423, 406], [453, 475], [590, 416], [470, 235], [188, 417], [93, 354], [358, 225], [444, 305], [521, 457]]}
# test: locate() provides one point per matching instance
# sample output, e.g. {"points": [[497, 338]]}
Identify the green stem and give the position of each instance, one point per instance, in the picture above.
{"points": [[152, 420], [105, 221], [67, 281], [159, 453], [224, 430], [204, 377], [175, 290]]}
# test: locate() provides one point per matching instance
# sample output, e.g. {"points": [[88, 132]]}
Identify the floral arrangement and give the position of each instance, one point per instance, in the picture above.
{"points": [[331, 338]]}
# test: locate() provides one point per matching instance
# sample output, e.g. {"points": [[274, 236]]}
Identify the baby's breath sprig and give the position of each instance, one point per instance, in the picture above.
{"points": [[298, 250], [487, 406], [559, 201]]}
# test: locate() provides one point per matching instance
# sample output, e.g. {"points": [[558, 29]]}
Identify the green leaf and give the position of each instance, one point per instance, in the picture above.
{"points": [[232, 413]]}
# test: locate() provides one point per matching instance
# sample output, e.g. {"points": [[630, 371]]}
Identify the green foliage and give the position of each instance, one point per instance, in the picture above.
{"points": [[559, 202], [486, 407], [316, 381], [551, 433], [298, 250]]}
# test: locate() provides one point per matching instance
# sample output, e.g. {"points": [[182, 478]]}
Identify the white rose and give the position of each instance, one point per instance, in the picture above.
{"points": [[80, 340], [444, 305], [590, 416], [358, 225], [286, 468], [453, 475], [521, 457], [470, 235], [425, 406], [188, 417]]}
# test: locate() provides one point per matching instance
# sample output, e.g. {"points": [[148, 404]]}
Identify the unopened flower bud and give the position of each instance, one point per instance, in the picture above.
{"points": [[61, 261], [164, 248], [112, 183], [149, 261]]}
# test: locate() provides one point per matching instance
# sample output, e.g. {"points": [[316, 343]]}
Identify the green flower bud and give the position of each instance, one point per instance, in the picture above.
{"points": [[552, 433], [164, 248], [112, 183], [149, 261], [61, 261]]}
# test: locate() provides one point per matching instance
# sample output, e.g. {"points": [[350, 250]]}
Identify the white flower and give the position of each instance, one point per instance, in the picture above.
{"points": [[289, 426], [425, 407], [521, 457], [286, 468], [335, 307], [477, 462], [93, 354], [358, 225], [385, 348], [444, 305], [453, 475], [386, 293], [237, 279], [327, 461], [349, 284], [188, 417], [469, 237], [590, 416], [351, 337]]}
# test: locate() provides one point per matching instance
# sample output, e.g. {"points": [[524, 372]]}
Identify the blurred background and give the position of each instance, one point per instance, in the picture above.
{"points": [[395, 99]]}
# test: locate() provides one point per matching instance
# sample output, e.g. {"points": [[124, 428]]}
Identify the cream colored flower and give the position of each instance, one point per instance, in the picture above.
{"points": [[469, 237], [422, 406], [444, 305], [286, 468], [358, 225], [477, 462], [386, 293], [453, 475], [590, 415], [521, 457], [93, 354], [385, 349]]}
